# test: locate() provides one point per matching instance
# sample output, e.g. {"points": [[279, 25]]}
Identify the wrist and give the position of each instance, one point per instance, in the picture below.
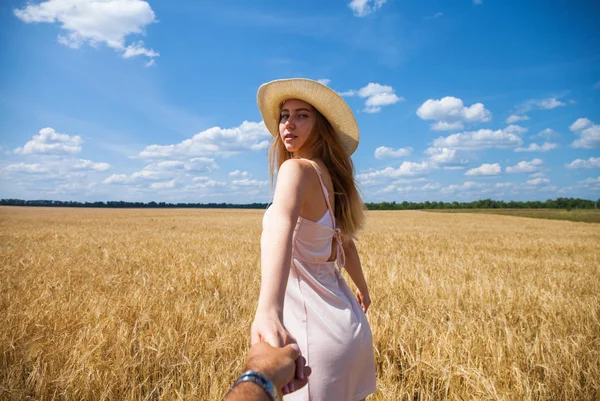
{"points": [[269, 311], [259, 382]]}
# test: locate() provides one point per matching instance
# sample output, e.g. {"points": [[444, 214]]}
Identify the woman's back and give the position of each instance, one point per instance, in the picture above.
{"points": [[321, 312]]}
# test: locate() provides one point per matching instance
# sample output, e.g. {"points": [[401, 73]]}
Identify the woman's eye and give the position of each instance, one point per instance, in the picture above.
{"points": [[283, 117], [303, 115]]}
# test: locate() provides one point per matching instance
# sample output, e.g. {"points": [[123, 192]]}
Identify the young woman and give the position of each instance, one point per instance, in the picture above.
{"points": [[316, 211]]}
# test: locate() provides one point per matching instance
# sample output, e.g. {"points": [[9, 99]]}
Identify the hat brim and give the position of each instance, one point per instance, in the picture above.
{"points": [[271, 95]]}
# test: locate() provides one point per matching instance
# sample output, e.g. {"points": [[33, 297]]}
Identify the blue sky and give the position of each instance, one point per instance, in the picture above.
{"points": [[156, 100]]}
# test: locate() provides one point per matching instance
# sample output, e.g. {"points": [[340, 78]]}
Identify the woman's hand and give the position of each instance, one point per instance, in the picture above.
{"points": [[269, 328], [364, 299]]}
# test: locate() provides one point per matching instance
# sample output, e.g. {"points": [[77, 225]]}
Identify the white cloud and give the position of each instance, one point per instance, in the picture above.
{"points": [[525, 166], [580, 124], [206, 182], [548, 133], [469, 185], [513, 118], [446, 126], [362, 8], [451, 113], [539, 104], [441, 155], [163, 185], [589, 134], [430, 187], [238, 173], [407, 169], [34, 168], [94, 22], [592, 162], [477, 2], [83, 164], [538, 181], [515, 129], [481, 139], [164, 170], [50, 142], [377, 96], [486, 169], [324, 81], [534, 147], [383, 152], [591, 181], [249, 183], [215, 141]]}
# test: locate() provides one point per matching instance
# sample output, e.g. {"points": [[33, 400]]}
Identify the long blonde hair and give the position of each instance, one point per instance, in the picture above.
{"points": [[349, 207]]}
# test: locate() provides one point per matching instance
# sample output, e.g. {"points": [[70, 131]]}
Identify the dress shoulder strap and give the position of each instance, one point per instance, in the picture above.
{"points": [[324, 190]]}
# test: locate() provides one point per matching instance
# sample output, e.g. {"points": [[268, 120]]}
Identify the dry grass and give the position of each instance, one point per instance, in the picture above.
{"points": [[157, 304]]}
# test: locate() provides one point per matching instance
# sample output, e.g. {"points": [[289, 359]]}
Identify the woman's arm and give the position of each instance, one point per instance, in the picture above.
{"points": [[276, 253], [355, 272]]}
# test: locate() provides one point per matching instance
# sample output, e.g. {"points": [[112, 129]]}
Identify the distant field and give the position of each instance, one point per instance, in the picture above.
{"points": [[582, 215], [102, 304]]}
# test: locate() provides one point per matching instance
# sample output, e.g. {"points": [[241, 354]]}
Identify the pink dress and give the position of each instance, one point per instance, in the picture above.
{"points": [[322, 313]]}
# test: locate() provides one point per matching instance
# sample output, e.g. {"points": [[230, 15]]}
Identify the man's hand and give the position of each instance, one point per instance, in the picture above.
{"points": [[283, 366]]}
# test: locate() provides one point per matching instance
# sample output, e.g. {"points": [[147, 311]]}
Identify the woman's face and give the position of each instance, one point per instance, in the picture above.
{"points": [[296, 122]]}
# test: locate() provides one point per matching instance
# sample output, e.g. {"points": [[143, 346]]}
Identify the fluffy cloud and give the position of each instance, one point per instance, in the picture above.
{"points": [[486, 169], [238, 173], [163, 185], [206, 182], [92, 22], [525, 166], [589, 134], [441, 155], [324, 81], [383, 152], [539, 104], [451, 113], [591, 180], [469, 185], [249, 183], [49, 142], [214, 141], [548, 133], [377, 95], [534, 147], [592, 162], [538, 181], [580, 124], [406, 169], [34, 168], [513, 118], [164, 170], [362, 8], [482, 139], [83, 164]]}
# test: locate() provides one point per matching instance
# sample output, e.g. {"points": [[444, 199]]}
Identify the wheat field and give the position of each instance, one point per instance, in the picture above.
{"points": [[157, 304]]}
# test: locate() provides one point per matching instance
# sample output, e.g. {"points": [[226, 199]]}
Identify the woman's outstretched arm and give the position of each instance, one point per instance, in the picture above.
{"points": [[354, 269], [276, 254]]}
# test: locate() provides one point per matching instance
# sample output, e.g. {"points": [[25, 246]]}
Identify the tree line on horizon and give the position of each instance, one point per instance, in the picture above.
{"points": [[558, 203]]}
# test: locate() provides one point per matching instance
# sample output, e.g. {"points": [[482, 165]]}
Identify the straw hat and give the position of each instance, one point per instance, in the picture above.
{"points": [[271, 95]]}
